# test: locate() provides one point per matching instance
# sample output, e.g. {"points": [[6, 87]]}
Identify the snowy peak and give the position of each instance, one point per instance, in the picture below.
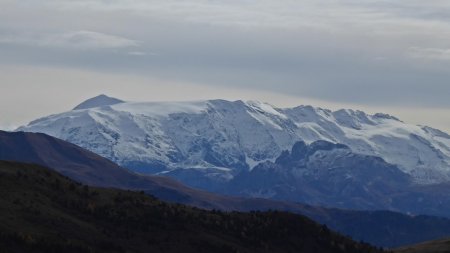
{"points": [[98, 101], [385, 116]]}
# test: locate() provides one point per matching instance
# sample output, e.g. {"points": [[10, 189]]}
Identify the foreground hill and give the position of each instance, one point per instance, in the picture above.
{"points": [[438, 246], [42, 211], [387, 229], [89, 168]]}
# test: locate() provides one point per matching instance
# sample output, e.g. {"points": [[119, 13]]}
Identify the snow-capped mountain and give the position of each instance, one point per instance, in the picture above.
{"points": [[219, 139]]}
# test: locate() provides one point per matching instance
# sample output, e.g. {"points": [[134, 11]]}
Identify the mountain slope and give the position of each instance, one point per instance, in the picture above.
{"points": [[324, 173], [218, 139], [88, 168], [327, 174], [383, 228], [45, 212]]}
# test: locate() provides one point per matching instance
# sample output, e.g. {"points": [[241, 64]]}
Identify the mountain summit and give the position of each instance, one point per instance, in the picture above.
{"points": [[98, 101]]}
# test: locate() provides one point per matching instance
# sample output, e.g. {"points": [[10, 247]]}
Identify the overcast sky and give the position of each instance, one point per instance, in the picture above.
{"points": [[376, 55]]}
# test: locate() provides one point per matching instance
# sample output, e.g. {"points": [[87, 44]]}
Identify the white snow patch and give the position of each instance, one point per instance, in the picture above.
{"points": [[261, 118], [162, 108], [265, 107]]}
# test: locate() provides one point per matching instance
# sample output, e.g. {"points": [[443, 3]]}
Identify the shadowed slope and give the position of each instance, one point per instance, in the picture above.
{"points": [[42, 211], [437, 246], [89, 168]]}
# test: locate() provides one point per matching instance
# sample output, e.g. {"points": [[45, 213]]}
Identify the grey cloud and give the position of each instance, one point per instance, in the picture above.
{"points": [[366, 52], [442, 54], [71, 40], [89, 40]]}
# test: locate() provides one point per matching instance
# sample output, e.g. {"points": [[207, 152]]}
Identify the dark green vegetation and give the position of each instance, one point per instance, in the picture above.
{"points": [[438, 246], [42, 211]]}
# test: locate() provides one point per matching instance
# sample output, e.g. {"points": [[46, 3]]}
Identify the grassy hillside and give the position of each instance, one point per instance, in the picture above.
{"points": [[42, 211], [437, 246]]}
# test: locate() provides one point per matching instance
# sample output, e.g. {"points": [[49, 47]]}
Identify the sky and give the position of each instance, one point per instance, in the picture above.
{"points": [[389, 56]]}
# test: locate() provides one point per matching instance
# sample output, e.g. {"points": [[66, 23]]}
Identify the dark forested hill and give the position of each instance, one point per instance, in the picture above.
{"points": [[42, 211]]}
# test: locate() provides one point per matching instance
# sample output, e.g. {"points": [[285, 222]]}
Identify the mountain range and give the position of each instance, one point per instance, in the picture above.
{"points": [[344, 158], [223, 138], [381, 228]]}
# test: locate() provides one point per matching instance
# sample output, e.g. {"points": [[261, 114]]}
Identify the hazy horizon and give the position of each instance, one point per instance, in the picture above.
{"points": [[67, 103]]}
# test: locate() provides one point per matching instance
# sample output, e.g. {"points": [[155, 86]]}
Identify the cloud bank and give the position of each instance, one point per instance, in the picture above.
{"points": [[363, 52]]}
